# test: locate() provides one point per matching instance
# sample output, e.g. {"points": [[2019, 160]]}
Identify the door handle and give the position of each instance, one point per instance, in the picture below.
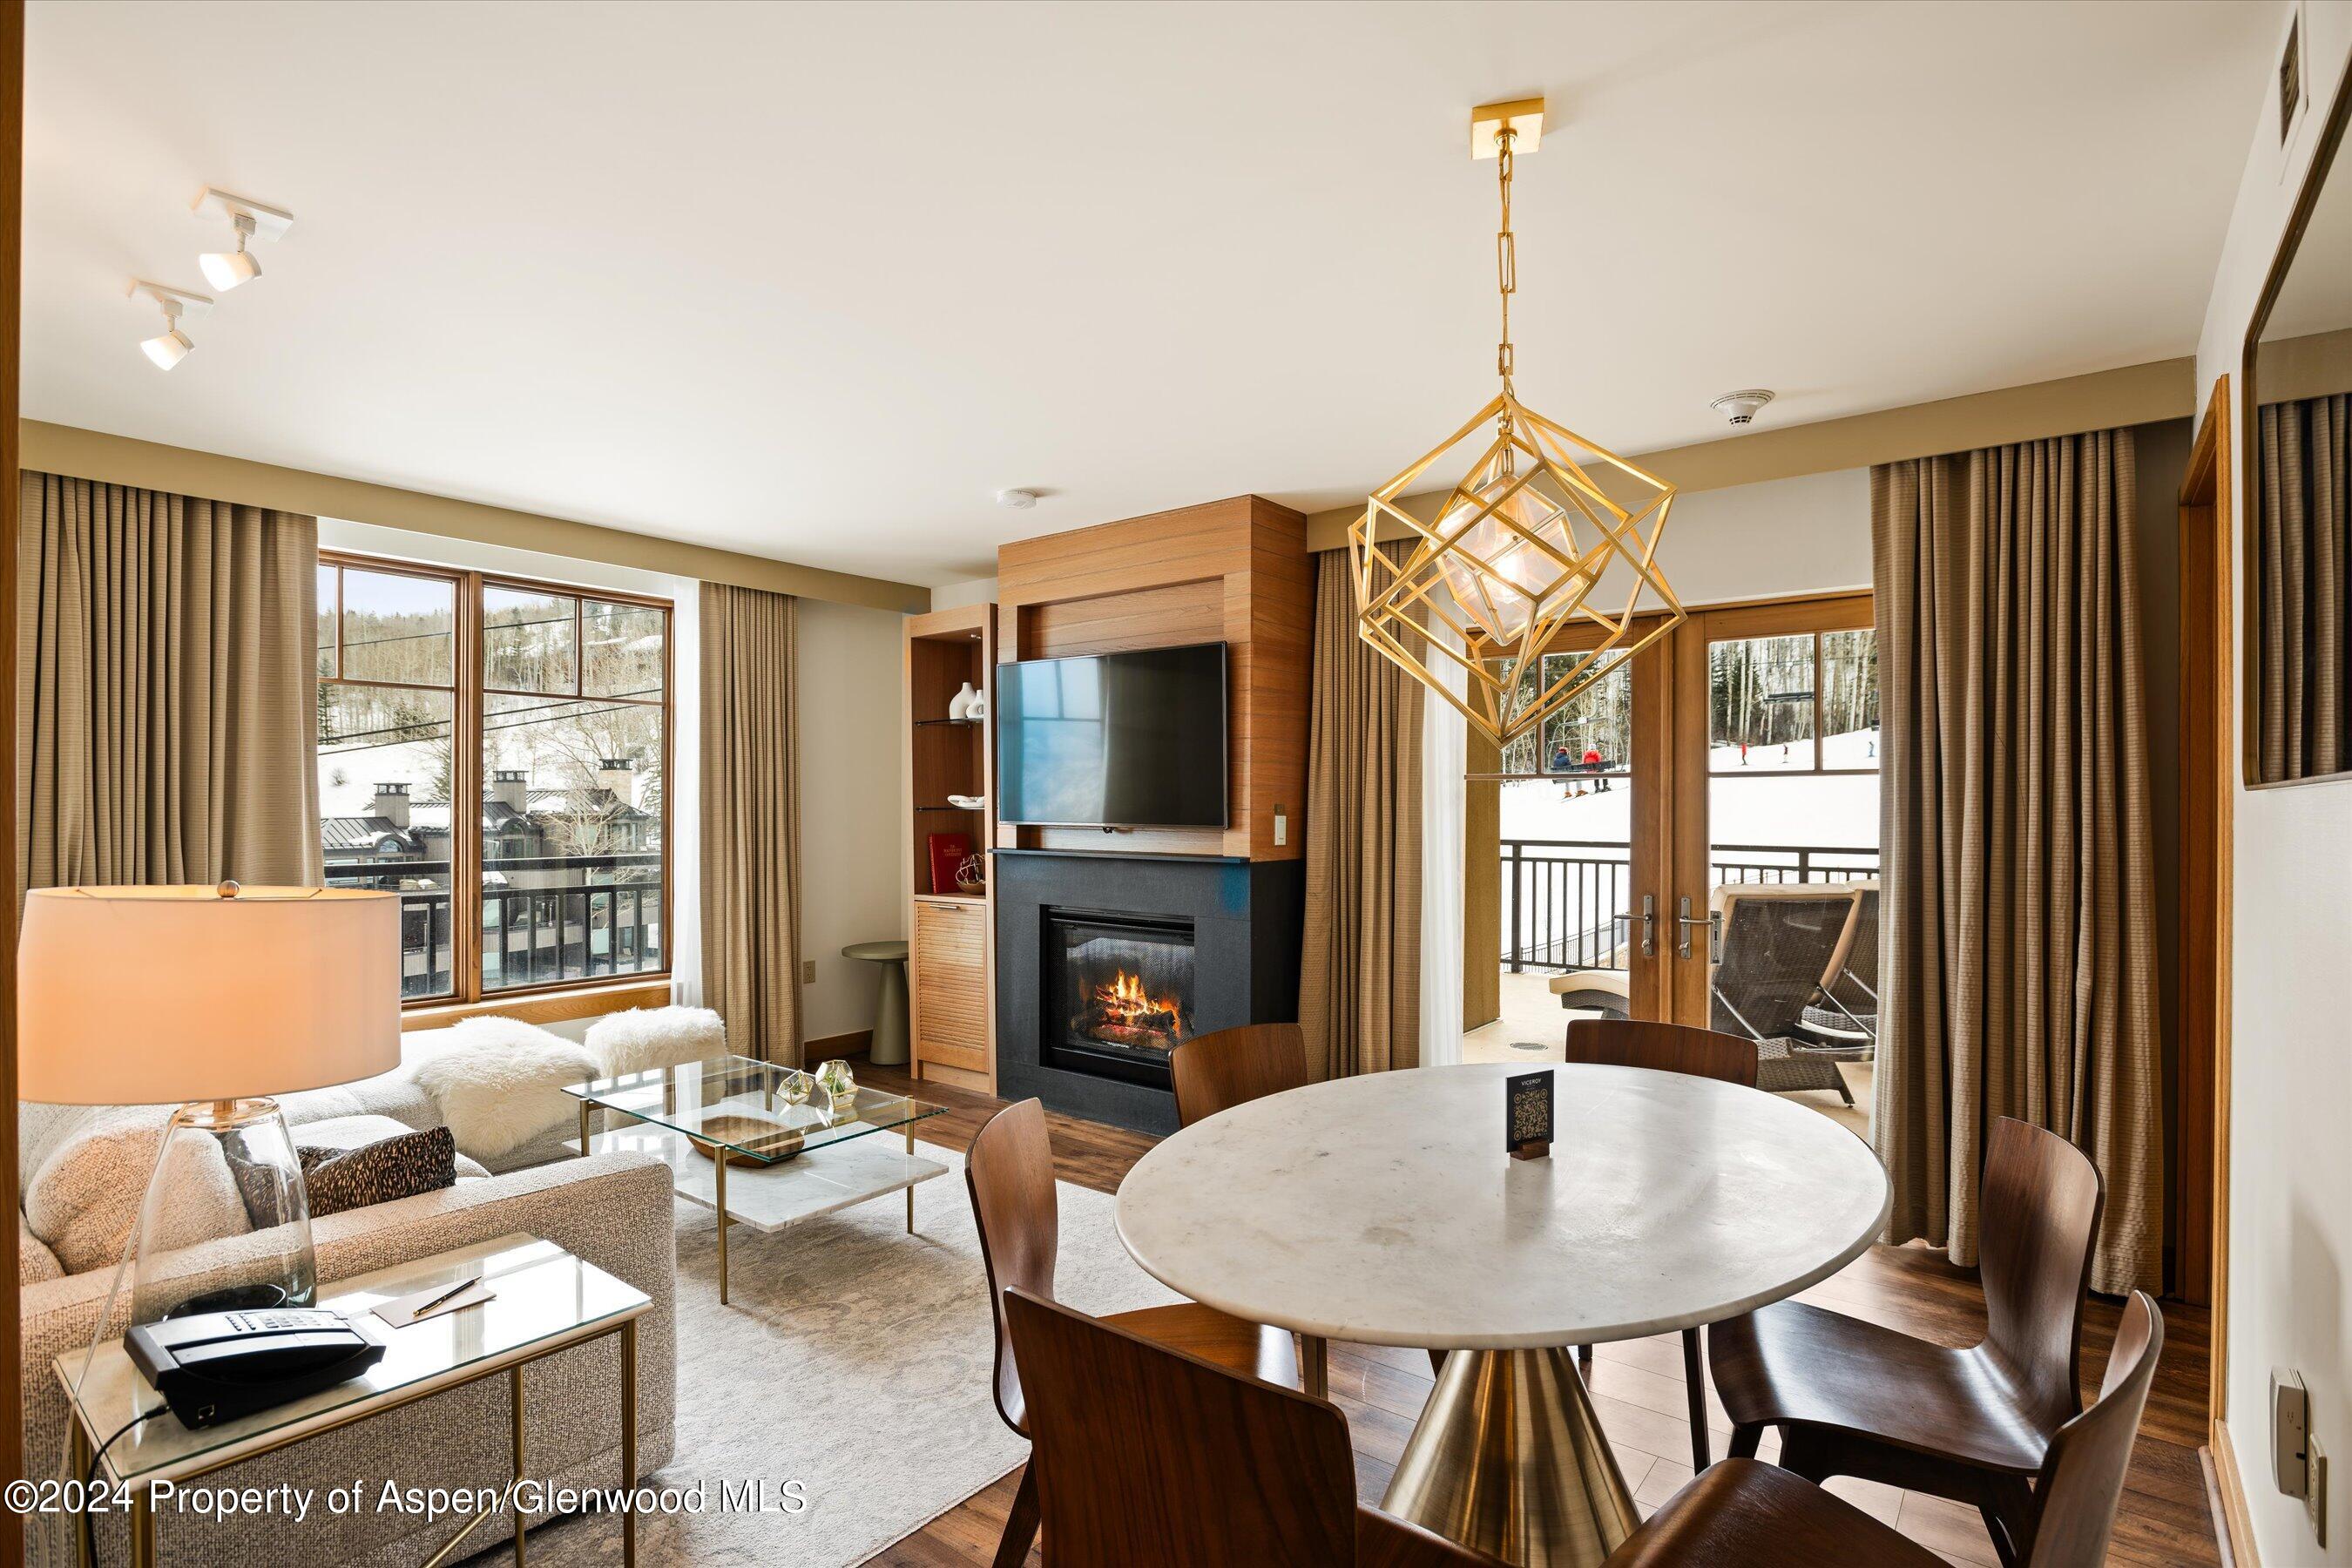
{"points": [[1649, 924], [1683, 921]]}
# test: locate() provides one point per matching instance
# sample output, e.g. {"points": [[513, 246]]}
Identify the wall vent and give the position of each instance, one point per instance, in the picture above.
{"points": [[2290, 77]]}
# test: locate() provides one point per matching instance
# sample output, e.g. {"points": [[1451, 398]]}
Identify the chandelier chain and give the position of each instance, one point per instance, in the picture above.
{"points": [[1507, 282]]}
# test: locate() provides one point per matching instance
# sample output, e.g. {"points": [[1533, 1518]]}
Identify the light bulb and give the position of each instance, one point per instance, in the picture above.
{"points": [[1502, 599], [225, 269], [168, 349]]}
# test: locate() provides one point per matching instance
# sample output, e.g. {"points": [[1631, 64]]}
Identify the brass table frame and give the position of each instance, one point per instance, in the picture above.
{"points": [[143, 1513], [717, 1152]]}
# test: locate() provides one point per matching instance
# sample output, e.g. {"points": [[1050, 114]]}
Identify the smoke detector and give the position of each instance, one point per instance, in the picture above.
{"points": [[1019, 500], [1740, 408]]}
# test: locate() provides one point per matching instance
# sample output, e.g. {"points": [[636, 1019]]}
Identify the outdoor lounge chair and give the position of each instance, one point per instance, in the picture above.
{"points": [[1847, 1015], [1775, 944]]}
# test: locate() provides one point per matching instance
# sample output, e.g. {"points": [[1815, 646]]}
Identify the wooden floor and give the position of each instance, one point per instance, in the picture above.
{"points": [[1638, 1389]]}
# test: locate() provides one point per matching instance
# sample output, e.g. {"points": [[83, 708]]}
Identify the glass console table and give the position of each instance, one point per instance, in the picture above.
{"points": [[762, 1144]]}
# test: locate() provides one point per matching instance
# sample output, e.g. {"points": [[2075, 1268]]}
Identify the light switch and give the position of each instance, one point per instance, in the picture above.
{"points": [[1281, 827], [808, 971]]}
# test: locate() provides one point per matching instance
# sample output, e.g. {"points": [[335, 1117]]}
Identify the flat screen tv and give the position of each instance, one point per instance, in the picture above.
{"points": [[1113, 740]]}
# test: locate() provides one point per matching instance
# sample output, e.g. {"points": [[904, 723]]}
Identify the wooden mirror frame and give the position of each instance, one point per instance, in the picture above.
{"points": [[2314, 182]]}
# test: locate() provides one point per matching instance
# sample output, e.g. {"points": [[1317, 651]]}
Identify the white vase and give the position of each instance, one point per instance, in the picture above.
{"points": [[978, 706], [960, 705]]}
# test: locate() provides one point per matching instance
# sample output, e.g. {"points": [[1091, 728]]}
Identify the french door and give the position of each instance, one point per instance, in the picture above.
{"points": [[1739, 750], [1774, 778]]}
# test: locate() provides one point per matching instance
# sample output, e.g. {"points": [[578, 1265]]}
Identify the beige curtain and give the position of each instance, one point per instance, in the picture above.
{"points": [[167, 688], [2020, 960], [751, 821], [1359, 972], [2304, 570]]}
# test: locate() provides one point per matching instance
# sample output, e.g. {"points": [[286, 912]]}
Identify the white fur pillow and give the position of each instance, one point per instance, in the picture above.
{"points": [[84, 1200], [645, 1038], [499, 1083]]}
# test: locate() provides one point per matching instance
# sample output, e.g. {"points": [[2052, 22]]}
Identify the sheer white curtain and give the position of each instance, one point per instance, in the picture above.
{"points": [[1444, 753], [685, 795]]}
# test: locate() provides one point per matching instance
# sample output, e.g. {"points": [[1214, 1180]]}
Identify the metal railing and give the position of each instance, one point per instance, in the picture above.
{"points": [[1561, 896], [533, 933]]}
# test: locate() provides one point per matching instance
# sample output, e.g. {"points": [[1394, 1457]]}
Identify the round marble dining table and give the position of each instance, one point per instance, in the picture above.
{"points": [[1385, 1209]]}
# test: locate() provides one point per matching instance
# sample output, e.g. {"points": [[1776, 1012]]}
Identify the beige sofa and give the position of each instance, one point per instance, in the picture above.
{"points": [[614, 1209]]}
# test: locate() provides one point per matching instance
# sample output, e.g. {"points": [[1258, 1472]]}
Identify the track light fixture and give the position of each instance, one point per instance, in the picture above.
{"points": [[226, 269], [169, 346]]}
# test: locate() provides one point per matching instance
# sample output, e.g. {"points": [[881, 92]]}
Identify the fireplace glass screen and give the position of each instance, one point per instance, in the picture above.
{"points": [[1121, 989]]}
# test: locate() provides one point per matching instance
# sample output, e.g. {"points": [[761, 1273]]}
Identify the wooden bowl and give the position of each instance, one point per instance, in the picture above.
{"points": [[772, 1142]]}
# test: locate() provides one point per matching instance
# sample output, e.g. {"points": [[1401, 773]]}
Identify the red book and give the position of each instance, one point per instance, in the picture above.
{"points": [[948, 851]]}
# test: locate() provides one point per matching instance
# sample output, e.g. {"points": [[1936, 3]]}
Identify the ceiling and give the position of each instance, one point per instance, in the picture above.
{"points": [[815, 281]]}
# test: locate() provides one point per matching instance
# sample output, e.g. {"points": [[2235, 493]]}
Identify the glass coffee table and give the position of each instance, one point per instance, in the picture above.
{"points": [[757, 1143]]}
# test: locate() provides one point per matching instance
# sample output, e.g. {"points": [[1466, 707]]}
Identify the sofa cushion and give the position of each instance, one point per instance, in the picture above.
{"points": [[84, 1199], [500, 1082], [35, 1262], [644, 1038], [341, 1135], [400, 1166]]}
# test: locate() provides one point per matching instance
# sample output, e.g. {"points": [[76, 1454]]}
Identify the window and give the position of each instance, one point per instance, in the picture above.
{"points": [[1792, 757], [495, 751]]}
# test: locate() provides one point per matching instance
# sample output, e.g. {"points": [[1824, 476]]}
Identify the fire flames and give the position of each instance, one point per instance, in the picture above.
{"points": [[1128, 1014]]}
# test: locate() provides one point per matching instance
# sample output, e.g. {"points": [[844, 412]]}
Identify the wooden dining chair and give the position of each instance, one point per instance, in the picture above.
{"points": [[1009, 1171], [1147, 1454], [1853, 1398], [1742, 1514], [1217, 1071], [1667, 1047]]}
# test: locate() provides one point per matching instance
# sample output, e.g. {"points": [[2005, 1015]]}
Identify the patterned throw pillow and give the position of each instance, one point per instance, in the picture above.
{"points": [[400, 1167]]}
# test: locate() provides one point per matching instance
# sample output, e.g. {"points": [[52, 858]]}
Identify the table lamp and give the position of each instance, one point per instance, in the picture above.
{"points": [[219, 997]]}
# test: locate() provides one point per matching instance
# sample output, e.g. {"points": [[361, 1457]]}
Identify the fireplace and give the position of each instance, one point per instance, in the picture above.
{"points": [[1105, 962], [1121, 993]]}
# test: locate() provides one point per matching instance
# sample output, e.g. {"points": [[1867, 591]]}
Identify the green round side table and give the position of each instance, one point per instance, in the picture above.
{"points": [[889, 1050]]}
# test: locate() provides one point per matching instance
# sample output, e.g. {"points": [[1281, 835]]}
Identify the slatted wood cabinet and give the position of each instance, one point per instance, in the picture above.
{"points": [[951, 1001]]}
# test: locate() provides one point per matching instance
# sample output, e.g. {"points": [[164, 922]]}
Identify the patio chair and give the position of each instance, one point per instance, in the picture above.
{"points": [[1775, 945], [1847, 1015]]}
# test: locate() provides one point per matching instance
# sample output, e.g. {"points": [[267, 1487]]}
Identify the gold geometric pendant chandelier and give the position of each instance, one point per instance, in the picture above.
{"points": [[1518, 552]]}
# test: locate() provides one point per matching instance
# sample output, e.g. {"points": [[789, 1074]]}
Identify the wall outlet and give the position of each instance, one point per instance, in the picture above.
{"points": [[2314, 1496], [808, 971]]}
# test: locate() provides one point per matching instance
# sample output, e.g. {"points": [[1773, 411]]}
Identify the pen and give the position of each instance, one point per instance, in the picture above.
{"points": [[450, 1294]]}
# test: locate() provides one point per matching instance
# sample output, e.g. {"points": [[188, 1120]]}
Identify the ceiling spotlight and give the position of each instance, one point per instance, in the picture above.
{"points": [[171, 346], [1020, 500], [1740, 408], [225, 269], [252, 220]]}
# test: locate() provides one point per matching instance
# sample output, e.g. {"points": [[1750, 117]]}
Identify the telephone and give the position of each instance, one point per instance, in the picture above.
{"points": [[216, 1366]]}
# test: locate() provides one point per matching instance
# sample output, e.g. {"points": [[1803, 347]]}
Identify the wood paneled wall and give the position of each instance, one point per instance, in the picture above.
{"points": [[1234, 572]]}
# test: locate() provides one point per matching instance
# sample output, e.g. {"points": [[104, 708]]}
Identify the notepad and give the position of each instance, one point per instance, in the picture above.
{"points": [[400, 1313]]}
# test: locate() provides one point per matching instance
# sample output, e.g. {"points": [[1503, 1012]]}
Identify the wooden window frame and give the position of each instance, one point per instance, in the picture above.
{"points": [[470, 692]]}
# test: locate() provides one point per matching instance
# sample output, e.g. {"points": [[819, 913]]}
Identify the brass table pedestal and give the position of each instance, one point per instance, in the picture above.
{"points": [[1509, 1458]]}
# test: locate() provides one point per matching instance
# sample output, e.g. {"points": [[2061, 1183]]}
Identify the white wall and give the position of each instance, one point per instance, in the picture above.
{"points": [[853, 782], [2291, 1158], [956, 595], [1810, 534]]}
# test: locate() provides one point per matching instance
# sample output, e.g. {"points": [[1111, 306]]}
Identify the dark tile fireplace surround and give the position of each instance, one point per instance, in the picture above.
{"points": [[1103, 960]]}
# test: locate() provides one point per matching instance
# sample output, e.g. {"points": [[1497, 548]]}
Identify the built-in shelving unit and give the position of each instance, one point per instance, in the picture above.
{"points": [[950, 975]]}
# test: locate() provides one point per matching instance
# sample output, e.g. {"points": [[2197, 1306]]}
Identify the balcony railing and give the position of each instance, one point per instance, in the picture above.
{"points": [[1560, 896], [543, 926]]}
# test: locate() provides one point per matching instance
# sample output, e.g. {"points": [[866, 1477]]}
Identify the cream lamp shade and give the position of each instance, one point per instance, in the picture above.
{"points": [[159, 995]]}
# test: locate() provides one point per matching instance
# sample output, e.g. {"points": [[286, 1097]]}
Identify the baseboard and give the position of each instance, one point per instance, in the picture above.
{"points": [[2230, 1521], [856, 1043]]}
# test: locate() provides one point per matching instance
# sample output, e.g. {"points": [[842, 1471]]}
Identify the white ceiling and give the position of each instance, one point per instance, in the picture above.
{"points": [[815, 281]]}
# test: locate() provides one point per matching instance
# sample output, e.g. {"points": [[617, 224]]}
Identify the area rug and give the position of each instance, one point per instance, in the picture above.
{"points": [[854, 1359]]}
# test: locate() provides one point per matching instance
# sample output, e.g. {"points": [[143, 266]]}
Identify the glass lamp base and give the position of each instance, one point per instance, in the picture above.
{"points": [[225, 1224]]}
